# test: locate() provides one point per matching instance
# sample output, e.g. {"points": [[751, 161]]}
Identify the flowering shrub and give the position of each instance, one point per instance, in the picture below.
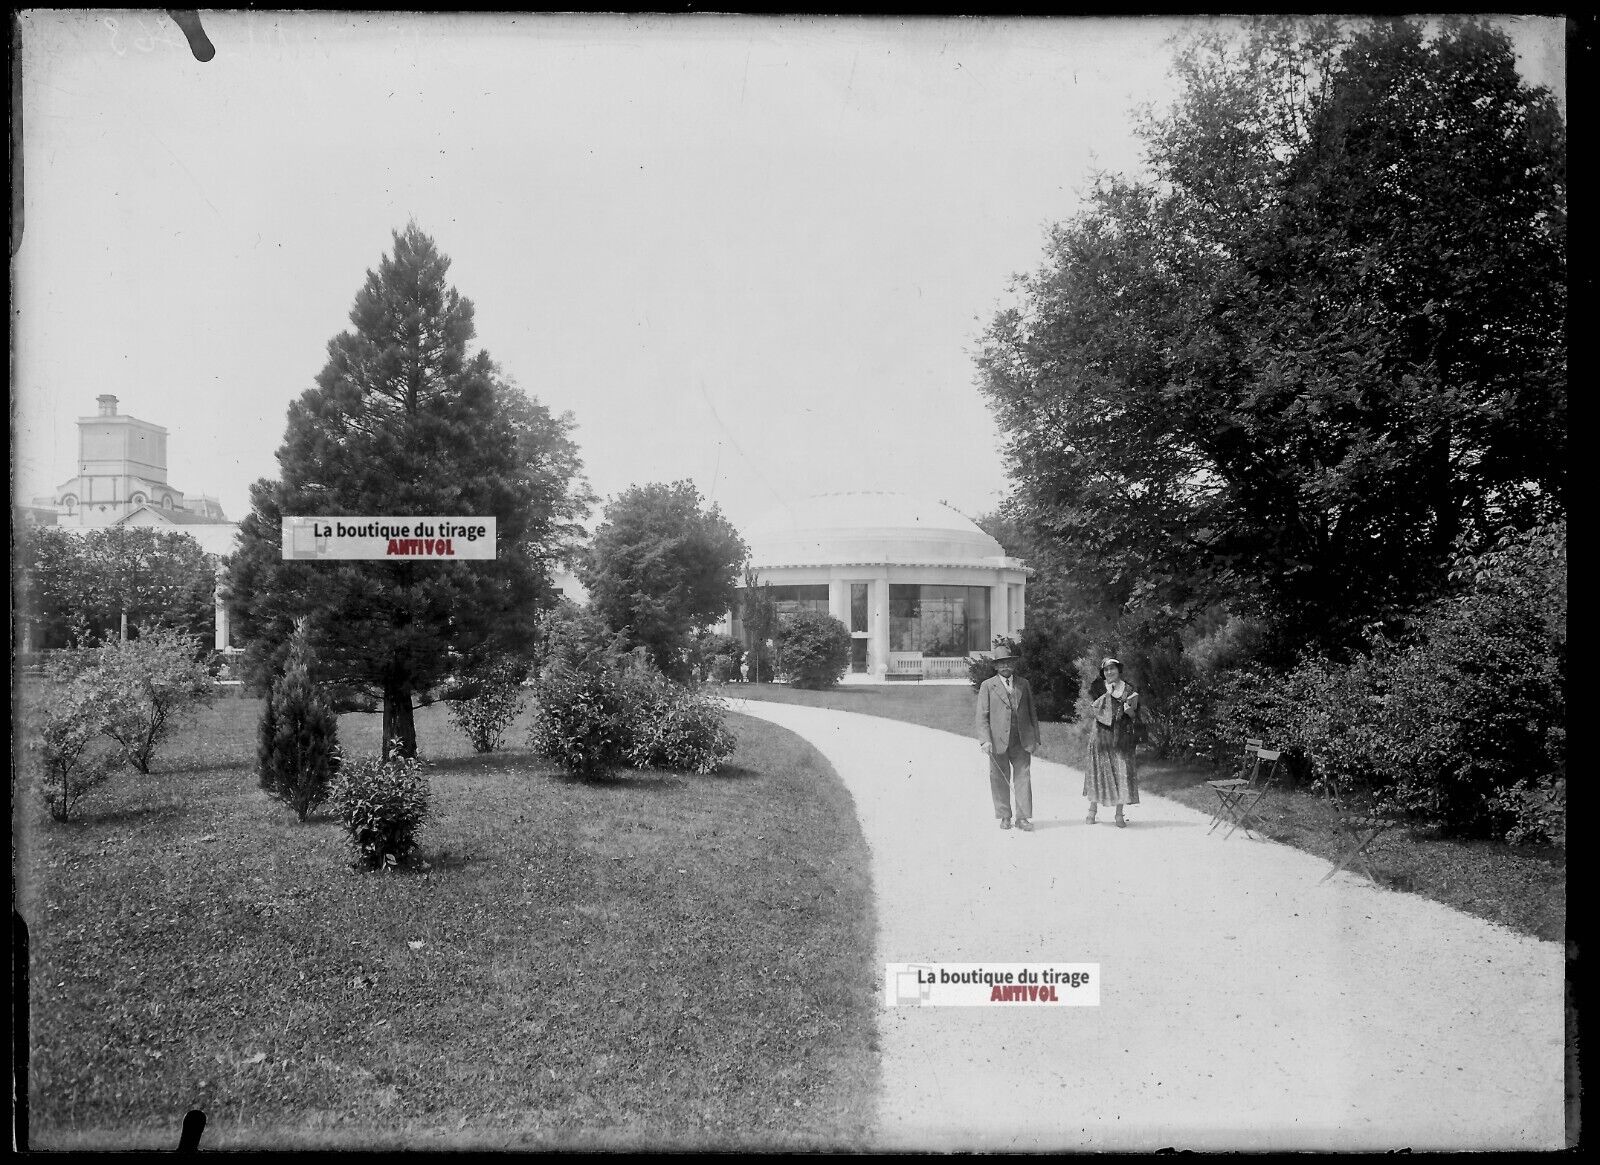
{"points": [[580, 718], [146, 686], [813, 649], [593, 721], [674, 727], [383, 804], [72, 755], [484, 717]]}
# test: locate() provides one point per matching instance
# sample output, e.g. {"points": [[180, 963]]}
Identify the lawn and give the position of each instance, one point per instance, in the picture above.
{"points": [[1521, 887], [662, 960]]}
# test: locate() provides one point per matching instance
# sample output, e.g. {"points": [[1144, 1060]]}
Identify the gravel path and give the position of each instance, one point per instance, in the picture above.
{"points": [[1243, 1006]]}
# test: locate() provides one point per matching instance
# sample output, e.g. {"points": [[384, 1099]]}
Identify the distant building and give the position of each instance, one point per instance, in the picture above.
{"points": [[911, 579], [122, 466], [122, 481]]}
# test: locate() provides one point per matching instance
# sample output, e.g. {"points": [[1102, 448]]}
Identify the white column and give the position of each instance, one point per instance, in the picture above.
{"points": [[222, 613], [839, 600], [1021, 615], [878, 601]]}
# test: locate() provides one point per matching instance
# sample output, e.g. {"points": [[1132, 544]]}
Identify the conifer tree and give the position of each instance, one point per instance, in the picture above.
{"points": [[299, 735], [405, 420]]}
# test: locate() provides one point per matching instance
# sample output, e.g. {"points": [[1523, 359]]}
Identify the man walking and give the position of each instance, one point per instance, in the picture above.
{"points": [[1008, 731]]}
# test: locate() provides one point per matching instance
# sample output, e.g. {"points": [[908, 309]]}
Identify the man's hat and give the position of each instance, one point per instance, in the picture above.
{"points": [[1001, 653]]}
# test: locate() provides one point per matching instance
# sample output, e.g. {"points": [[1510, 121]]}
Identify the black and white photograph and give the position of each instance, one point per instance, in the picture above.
{"points": [[721, 582]]}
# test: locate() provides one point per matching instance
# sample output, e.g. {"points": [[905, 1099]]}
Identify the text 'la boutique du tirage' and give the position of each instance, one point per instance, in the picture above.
{"points": [[343, 538]]}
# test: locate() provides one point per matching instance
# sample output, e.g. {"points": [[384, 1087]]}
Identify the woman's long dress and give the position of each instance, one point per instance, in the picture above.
{"points": [[1113, 776]]}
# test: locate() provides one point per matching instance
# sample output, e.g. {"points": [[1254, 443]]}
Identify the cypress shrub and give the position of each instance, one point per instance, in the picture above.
{"points": [[299, 738]]}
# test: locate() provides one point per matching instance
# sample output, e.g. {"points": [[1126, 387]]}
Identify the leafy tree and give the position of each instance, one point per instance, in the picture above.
{"points": [[661, 567], [68, 743], [493, 700], [1319, 349], [93, 577], [299, 752], [813, 649], [575, 636], [145, 687], [404, 420]]}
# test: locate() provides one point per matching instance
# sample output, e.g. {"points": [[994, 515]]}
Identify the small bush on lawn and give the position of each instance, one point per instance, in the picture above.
{"points": [[146, 687], [497, 698], [299, 741], [383, 804], [72, 755], [674, 727], [580, 718], [594, 721], [813, 649]]}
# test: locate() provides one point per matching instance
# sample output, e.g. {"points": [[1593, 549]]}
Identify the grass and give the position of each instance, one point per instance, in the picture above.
{"points": [[1520, 887], [662, 960]]}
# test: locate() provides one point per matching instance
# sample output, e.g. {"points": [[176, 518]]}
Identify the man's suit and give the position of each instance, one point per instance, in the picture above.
{"points": [[1007, 720]]}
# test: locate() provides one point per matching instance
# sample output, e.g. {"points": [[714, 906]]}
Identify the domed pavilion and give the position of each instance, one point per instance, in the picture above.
{"points": [[919, 586]]}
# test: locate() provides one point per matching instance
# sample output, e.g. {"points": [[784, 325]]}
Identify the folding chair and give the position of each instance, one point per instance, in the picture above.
{"points": [[1226, 787], [1359, 827], [1238, 804]]}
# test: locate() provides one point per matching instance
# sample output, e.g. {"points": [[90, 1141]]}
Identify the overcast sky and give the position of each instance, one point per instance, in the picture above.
{"points": [[751, 252]]}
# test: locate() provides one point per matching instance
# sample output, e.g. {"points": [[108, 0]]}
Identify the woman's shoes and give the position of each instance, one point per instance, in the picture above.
{"points": [[1121, 824], [1089, 820]]}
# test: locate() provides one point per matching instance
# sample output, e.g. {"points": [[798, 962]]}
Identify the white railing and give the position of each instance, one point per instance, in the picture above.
{"points": [[945, 667]]}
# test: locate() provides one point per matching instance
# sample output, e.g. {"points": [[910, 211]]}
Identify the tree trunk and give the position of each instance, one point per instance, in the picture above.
{"points": [[398, 720]]}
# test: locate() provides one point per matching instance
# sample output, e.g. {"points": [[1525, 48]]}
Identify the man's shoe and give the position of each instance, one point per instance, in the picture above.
{"points": [[1025, 825], [1005, 823]]}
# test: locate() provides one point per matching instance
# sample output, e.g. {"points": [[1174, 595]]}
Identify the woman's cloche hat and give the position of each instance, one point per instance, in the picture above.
{"points": [[1108, 661]]}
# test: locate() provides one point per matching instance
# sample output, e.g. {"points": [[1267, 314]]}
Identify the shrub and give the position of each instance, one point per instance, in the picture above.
{"points": [[580, 718], [1461, 723], [594, 721], [72, 755], [497, 697], [1049, 653], [298, 746], [673, 727], [383, 804], [813, 649], [146, 686]]}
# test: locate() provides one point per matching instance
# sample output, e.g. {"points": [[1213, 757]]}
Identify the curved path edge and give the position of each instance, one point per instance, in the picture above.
{"points": [[1243, 1005]]}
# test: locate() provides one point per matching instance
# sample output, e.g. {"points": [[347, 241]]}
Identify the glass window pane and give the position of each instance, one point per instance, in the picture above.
{"points": [[978, 637], [858, 606]]}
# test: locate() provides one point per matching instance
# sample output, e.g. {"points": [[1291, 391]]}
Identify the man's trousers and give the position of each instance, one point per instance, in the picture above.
{"points": [[1009, 772]]}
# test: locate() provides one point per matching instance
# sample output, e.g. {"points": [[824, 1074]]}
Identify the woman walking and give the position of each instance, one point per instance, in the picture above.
{"points": [[1112, 778]]}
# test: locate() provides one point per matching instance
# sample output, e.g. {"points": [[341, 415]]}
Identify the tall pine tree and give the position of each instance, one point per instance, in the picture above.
{"points": [[405, 421]]}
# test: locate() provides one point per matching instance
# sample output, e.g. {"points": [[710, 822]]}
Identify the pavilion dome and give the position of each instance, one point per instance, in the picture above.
{"points": [[865, 527]]}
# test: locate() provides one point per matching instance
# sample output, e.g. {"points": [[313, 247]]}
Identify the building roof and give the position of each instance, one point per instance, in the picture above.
{"points": [[869, 527], [175, 516]]}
